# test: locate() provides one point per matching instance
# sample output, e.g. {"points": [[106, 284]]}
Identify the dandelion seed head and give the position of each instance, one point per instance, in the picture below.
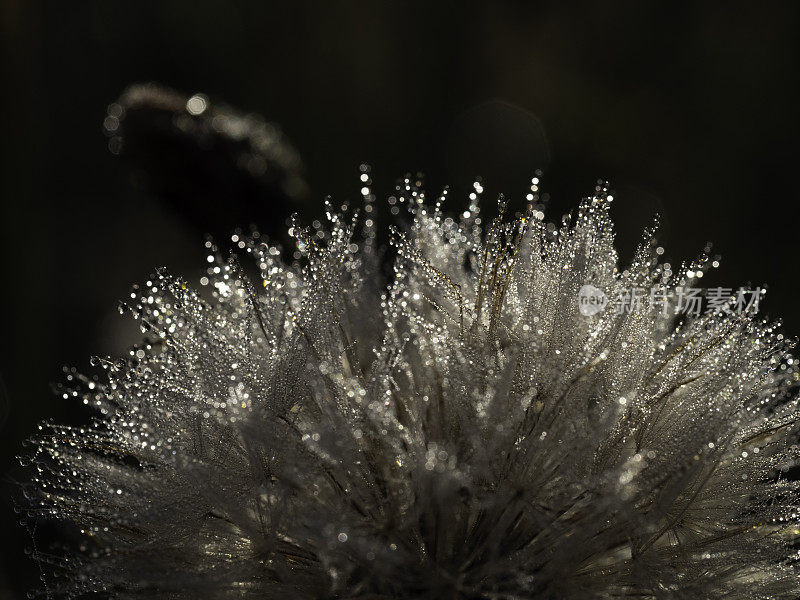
{"points": [[463, 431]]}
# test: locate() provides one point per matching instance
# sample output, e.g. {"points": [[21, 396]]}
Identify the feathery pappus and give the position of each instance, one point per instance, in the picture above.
{"points": [[462, 431]]}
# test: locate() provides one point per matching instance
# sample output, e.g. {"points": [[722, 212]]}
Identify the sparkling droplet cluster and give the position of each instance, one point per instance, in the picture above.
{"points": [[462, 432]]}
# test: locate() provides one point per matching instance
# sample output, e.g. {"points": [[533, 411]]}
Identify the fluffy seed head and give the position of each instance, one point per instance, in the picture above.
{"points": [[464, 432]]}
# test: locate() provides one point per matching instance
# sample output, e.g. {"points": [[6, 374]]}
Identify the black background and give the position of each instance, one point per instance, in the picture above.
{"points": [[690, 110]]}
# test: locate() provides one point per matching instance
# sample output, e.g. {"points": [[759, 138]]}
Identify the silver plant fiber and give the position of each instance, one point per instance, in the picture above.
{"points": [[463, 432]]}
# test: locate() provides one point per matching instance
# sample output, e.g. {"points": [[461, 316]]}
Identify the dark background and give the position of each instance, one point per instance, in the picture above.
{"points": [[690, 110]]}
